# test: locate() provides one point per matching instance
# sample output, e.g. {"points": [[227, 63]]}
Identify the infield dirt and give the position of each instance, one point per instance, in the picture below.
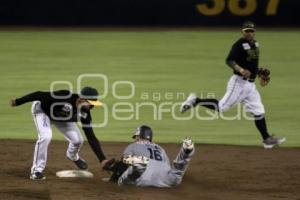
{"points": [[216, 172]]}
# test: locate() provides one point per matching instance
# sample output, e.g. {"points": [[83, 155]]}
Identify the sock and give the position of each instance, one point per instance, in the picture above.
{"points": [[261, 125], [208, 103]]}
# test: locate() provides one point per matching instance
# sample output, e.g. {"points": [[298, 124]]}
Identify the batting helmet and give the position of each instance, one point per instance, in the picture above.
{"points": [[144, 132]]}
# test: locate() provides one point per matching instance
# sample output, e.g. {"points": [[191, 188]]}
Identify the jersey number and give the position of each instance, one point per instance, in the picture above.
{"points": [[155, 154]]}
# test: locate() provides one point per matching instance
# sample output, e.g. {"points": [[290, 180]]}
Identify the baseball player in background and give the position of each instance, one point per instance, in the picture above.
{"points": [[145, 163], [244, 60], [63, 109]]}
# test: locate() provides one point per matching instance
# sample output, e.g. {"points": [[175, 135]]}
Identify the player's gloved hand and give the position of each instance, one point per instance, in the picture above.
{"points": [[264, 76], [12, 102], [116, 168], [263, 82], [245, 73]]}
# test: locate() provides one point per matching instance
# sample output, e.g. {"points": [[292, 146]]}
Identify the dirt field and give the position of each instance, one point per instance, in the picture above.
{"points": [[216, 172]]}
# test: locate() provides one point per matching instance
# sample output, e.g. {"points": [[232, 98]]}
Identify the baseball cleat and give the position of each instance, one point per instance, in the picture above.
{"points": [[81, 164], [272, 141], [189, 102], [187, 145], [132, 160], [37, 176]]}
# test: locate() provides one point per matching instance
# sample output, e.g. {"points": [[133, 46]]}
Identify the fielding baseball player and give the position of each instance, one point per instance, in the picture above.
{"points": [[243, 59], [147, 164], [62, 109]]}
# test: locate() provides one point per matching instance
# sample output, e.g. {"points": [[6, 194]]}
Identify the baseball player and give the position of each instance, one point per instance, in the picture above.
{"points": [[147, 164], [244, 60], [62, 109]]}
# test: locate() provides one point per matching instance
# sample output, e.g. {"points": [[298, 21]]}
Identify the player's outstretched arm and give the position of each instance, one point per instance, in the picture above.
{"points": [[93, 141], [35, 96]]}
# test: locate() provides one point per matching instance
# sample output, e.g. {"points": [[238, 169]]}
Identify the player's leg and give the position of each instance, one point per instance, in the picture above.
{"points": [[43, 126], [137, 166], [193, 101], [254, 106], [232, 97], [73, 135], [129, 177], [181, 162]]}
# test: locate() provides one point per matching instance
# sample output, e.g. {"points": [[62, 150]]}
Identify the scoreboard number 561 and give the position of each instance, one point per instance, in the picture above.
{"points": [[234, 7]]}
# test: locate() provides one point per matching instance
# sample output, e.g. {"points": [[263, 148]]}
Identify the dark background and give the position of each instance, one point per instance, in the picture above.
{"points": [[139, 12]]}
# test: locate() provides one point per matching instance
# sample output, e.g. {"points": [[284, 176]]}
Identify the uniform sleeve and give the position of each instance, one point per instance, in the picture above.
{"points": [[62, 94], [35, 96], [91, 137], [233, 55]]}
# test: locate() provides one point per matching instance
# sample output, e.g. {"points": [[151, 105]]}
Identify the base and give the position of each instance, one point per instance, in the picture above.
{"points": [[74, 174]]}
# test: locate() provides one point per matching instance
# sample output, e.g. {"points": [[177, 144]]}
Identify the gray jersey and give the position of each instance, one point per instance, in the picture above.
{"points": [[159, 172]]}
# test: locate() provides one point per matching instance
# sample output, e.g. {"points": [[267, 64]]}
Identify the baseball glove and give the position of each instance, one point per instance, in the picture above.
{"points": [[116, 168], [264, 75]]}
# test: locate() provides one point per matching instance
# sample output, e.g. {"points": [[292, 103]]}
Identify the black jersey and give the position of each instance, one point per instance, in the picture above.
{"points": [[58, 105], [245, 54], [61, 106]]}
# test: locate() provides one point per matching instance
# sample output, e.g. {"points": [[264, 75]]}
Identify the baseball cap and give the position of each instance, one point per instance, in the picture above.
{"points": [[91, 95], [248, 25]]}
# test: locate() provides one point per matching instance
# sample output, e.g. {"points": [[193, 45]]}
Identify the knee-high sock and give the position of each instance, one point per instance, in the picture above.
{"points": [[208, 103], [261, 125]]}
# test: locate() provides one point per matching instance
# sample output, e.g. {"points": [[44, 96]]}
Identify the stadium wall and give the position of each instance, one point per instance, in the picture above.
{"points": [[149, 12]]}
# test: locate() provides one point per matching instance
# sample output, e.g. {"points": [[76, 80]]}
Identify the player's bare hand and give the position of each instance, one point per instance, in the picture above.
{"points": [[103, 163], [245, 73], [12, 102]]}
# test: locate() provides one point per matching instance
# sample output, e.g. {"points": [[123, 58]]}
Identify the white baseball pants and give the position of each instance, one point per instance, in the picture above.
{"points": [[43, 125], [242, 91]]}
